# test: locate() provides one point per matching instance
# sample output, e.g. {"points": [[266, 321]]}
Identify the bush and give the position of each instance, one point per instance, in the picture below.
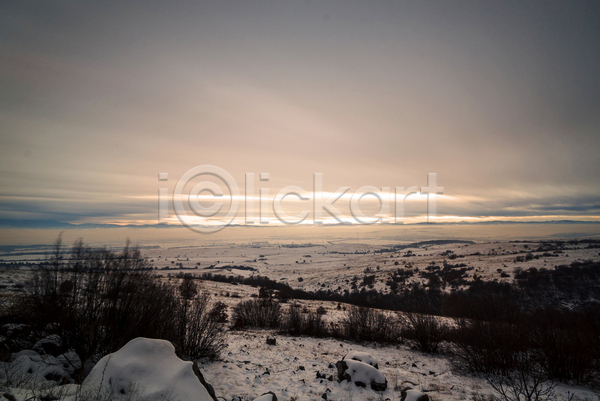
{"points": [[487, 347], [97, 300], [219, 312], [502, 352], [366, 324], [297, 323], [426, 331], [547, 340], [559, 335], [261, 312], [203, 331], [525, 381]]}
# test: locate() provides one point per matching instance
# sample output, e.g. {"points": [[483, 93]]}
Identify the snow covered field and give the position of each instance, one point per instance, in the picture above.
{"points": [[303, 368], [250, 367], [312, 267], [296, 368]]}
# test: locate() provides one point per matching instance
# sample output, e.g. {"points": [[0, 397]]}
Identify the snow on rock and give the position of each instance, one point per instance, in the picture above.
{"points": [[270, 396], [28, 366], [13, 329], [361, 374], [51, 345], [146, 369], [413, 395], [362, 357], [70, 361]]}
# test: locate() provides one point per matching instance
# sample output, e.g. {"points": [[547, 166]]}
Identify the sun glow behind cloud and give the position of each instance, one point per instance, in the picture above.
{"points": [[100, 97]]}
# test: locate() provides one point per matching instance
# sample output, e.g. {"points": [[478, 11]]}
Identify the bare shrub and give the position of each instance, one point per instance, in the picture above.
{"points": [[525, 381], [203, 335], [366, 324], [261, 312], [219, 312], [559, 334], [310, 323], [97, 300], [502, 352], [486, 347], [426, 331]]}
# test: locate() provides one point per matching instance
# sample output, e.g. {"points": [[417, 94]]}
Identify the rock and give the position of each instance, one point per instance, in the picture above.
{"points": [[28, 362], [361, 374], [146, 369], [270, 396], [301, 368], [362, 357], [9, 397], [321, 375], [51, 345], [409, 394], [208, 387], [271, 340], [4, 352], [70, 362], [59, 379], [16, 330], [375, 386]]}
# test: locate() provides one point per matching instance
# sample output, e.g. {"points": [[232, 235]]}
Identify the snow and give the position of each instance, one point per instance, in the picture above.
{"points": [[27, 368], [242, 371], [53, 339], [362, 357], [334, 265], [150, 369], [413, 395], [265, 397], [363, 373], [249, 367]]}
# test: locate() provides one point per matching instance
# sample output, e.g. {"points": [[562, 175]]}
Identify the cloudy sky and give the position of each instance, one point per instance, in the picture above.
{"points": [[500, 99]]}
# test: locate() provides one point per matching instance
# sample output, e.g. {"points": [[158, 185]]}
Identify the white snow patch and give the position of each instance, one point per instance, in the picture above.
{"points": [[364, 357], [150, 369], [265, 397], [363, 372], [413, 395], [28, 368]]}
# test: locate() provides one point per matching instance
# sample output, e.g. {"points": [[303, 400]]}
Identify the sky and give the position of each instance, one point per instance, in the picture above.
{"points": [[500, 99]]}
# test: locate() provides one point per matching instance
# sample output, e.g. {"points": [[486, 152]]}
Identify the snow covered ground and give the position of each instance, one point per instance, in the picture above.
{"points": [[295, 368], [312, 267], [333, 265], [250, 367]]}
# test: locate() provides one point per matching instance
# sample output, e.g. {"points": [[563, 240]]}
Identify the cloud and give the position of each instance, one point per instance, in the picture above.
{"points": [[499, 99]]}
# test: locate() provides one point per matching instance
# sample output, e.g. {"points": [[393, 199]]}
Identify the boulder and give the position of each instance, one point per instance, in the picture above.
{"points": [[362, 357], [271, 340], [361, 374], [146, 369], [270, 396], [208, 387], [409, 394], [28, 363], [51, 345]]}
